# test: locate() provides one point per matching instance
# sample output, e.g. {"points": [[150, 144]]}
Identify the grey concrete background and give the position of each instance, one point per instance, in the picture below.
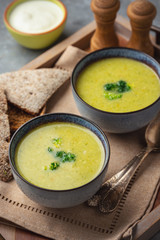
{"points": [[13, 56]]}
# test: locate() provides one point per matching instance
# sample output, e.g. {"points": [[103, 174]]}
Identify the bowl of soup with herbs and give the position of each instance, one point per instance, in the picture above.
{"points": [[59, 160], [118, 88]]}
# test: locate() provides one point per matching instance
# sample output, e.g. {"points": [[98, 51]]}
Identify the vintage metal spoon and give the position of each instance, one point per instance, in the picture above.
{"points": [[111, 192]]}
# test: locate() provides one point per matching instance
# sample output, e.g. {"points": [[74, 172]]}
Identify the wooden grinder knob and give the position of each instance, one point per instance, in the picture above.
{"points": [[105, 14], [141, 14]]}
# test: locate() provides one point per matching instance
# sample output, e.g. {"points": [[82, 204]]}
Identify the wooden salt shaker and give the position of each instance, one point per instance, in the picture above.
{"points": [[105, 14], [141, 14]]}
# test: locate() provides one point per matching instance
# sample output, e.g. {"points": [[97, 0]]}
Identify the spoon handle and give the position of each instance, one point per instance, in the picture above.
{"points": [[113, 189], [119, 182]]}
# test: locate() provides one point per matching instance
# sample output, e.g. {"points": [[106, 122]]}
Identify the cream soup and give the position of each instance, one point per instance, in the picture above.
{"points": [[36, 16], [59, 156], [118, 85]]}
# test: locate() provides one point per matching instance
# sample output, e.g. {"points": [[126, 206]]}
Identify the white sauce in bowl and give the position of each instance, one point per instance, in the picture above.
{"points": [[36, 16]]}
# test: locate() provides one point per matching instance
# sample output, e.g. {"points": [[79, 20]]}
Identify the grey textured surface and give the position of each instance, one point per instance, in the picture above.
{"points": [[13, 56]]}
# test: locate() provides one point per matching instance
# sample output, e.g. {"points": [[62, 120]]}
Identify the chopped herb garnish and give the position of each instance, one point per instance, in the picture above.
{"points": [[109, 86], [54, 165], [62, 155], [116, 90], [57, 142], [123, 86], [112, 96], [66, 157], [50, 149], [45, 167]]}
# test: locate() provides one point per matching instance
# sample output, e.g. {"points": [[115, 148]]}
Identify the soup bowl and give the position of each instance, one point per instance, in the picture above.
{"points": [[59, 198], [110, 121], [35, 40]]}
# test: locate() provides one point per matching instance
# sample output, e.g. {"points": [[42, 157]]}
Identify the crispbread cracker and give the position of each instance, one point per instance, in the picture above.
{"points": [[18, 117], [4, 122], [3, 150], [4, 127], [30, 89], [3, 102], [5, 169]]}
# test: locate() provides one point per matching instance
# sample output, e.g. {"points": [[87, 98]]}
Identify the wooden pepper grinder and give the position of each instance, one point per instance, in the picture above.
{"points": [[141, 14], [105, 14]]}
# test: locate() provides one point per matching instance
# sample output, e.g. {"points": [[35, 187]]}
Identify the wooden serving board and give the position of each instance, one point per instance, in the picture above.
{"points": [[150, 224]]}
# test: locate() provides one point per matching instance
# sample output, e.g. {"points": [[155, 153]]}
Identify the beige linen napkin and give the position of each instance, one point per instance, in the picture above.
{"points": [[83, 222]]}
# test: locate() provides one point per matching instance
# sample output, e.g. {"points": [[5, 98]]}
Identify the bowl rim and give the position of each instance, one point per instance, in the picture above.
{"points": [[105, 49], [106, 151], [33, 34]]}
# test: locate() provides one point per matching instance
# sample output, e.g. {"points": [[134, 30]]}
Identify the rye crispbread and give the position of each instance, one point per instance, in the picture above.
{"points": [[3, 150], [4, 127], [18, 117], [30, 89], [4, 122], [3, 102], [5, 170]]}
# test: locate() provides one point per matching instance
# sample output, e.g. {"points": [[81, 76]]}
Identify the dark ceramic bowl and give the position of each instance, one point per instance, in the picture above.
{"points": [[116, 122], [61, 198]]}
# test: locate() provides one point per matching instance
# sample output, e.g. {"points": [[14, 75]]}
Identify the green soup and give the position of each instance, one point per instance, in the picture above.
{"points": [[99, 85], [59, 156]]}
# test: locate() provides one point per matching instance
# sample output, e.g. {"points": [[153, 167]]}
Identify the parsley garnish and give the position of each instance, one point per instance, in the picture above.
{"points": [[110, 86], [112, 96], [50, 149], [116, 90], [54, 165], [45, 167], [66, 157], [123, 86], [57, 142]]}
